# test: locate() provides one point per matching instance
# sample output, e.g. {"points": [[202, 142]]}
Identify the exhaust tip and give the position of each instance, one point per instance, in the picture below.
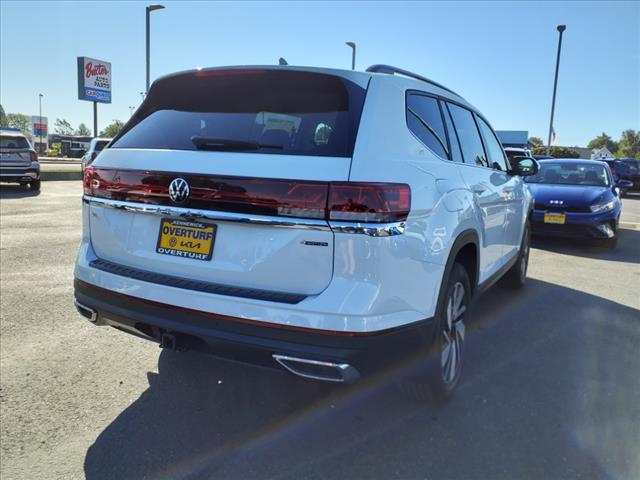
{"points": [[318, 370], [87, 312]]}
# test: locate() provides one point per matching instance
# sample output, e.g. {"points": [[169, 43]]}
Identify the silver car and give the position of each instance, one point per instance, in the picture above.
{"points": [[95, 147], [18, 159]]}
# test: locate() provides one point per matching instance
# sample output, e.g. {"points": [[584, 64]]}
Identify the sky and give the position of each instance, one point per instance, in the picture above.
{"points": [[500, 56]]}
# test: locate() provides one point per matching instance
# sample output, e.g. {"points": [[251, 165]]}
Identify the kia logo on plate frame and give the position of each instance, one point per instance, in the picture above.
{"points": [[179, 190]]}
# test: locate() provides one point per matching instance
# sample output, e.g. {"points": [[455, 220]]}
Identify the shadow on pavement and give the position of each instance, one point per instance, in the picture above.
{"points": [[550, 390], [17, 191], [627, 250]]}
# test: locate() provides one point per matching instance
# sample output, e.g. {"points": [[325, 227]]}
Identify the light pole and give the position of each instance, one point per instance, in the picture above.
{"points": [[353, 54], [149, 9], [40, 121], [561, 29]]}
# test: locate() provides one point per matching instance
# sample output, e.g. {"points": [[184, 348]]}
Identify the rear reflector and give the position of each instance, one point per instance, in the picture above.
{"points": [[345, 201]]}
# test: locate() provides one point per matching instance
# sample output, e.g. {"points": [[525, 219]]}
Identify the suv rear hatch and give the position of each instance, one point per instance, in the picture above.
{"points": [[15, 151], [255, 149]]}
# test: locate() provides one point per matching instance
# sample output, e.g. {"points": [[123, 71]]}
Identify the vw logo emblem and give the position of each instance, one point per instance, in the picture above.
{"points": [[179, 190]]}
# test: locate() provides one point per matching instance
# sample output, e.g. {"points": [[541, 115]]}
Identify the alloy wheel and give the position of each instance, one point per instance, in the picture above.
{"points": [[453, 335]]}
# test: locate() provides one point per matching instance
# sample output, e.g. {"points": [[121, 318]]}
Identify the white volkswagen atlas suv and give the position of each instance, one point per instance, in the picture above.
{"points": [[326, 222]]}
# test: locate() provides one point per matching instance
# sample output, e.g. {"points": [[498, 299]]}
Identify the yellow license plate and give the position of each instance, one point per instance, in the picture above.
{"points": [[555, 218], [180, 238]]}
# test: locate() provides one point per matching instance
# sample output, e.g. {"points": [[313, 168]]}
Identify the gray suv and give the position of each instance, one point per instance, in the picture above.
{"points": [[18, 159]]}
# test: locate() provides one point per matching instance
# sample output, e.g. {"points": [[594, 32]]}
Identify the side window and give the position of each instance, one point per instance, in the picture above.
{"points": [[494, 149], [470, 142], [425, 121], [456, 153]]}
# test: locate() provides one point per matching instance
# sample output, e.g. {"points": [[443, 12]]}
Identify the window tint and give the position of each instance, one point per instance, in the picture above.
{"points": [[470, 142], [456, 154], [253, 111], [425, 121], [494, 149], [571, 173], [100, 146], [10, 142]]}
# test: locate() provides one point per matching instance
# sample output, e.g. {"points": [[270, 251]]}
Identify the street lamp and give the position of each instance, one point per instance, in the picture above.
{"points": [[149, 9], [131, 109], [561, 29], [353, 54], [40, 122]]}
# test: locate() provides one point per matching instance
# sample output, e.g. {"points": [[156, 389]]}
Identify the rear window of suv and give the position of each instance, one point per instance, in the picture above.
{"points": [[11, 142], [258, 110]]}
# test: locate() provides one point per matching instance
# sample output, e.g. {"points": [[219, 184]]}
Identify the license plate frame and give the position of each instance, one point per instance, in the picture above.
{"points": [[180, 243], [555, 218]]}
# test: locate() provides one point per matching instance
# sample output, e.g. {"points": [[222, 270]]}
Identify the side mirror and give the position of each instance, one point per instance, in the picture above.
{"points": [[524, 166], [621, 183]]}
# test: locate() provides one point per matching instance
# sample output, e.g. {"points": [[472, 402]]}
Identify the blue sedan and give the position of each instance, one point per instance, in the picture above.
{"points": [[576, 199]]}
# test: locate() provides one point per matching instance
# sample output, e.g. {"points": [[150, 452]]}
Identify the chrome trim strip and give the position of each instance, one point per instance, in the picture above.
{"points": [[347, 373], [371, 229], [193, 214]]}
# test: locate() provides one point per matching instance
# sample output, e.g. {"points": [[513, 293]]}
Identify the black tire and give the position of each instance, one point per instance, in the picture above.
{"points": [[35, 185], [439, 375], [516, 277]]}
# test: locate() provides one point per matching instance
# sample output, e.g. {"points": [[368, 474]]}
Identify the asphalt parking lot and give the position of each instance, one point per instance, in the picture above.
{"points": [[551, 387]]}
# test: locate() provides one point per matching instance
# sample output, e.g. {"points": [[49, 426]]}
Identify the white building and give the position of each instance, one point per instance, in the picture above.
{"points": [[599, 153]]}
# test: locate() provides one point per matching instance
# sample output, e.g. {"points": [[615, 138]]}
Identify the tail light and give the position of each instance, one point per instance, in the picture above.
{"points": [[33, 156], [369, 202], [341, 201], [87, 180]]}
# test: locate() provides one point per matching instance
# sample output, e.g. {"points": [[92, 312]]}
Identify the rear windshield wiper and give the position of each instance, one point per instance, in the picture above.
{"points": [[226, 145]]}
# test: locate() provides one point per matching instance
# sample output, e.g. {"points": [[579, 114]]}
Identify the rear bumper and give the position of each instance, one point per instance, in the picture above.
{"points": [[251, 341], [19, 174], [577, 225]]}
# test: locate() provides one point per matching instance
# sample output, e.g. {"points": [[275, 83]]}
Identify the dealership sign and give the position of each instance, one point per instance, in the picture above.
{"points": [[39, 126], [94, 80]]}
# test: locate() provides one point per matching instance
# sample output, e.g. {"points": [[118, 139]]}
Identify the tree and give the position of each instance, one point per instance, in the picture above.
{"points": [[19, 120], [62, 127], [113, 129], [629, 145], [83, 130], [3, 118], [535, 141], [558, 152], [603, 140]]}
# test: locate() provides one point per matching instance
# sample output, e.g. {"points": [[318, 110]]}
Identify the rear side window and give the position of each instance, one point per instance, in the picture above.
{"points": [[262, 111], [456, 153], [100, 146], [10, 142], [470, 142], [494, 150], [425, 121]]}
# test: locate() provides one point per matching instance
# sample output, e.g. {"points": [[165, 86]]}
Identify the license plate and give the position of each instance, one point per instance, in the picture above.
{"points": [[555, 218], [180, 238]]}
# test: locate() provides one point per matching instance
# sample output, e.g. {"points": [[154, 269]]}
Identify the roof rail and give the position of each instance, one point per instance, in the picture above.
{"points": [[391, 70]]}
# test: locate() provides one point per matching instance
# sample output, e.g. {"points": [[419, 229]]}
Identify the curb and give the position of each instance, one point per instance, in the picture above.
{"points": [[44, 176]]}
